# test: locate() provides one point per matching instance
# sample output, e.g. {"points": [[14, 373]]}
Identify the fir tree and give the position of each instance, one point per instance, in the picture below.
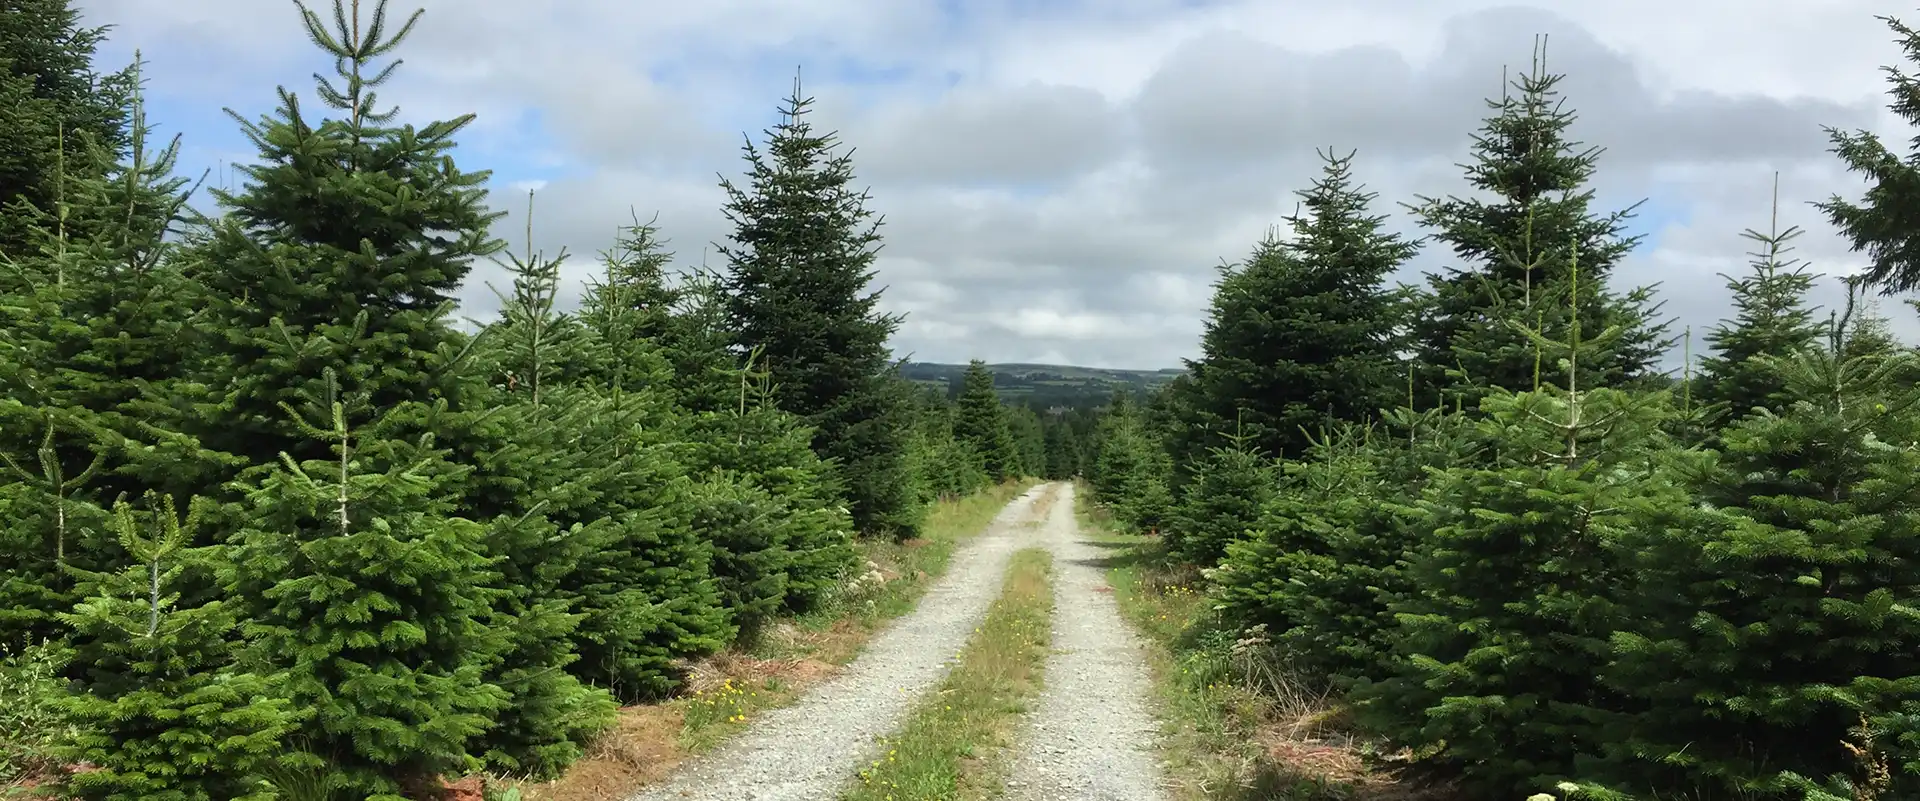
{"points": [[367, 599], [1771, 318], [801, 260], [1063, 449], [342, 251], [980, 421], [1305, 333], [1881, 223], [55, 113], [1518, 573], [782, 539], [533, 470], [1131, 472], [942, 466], [1223, 502], [165, 714], [1764, 623], [92, 315], [1517, 249], [1029, 440]]}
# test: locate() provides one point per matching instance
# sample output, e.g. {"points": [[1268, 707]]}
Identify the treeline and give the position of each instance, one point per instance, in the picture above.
{"points": [[275, 527], [1526, 558]]}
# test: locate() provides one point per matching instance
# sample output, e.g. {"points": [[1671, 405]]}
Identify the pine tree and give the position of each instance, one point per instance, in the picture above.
{"points": [[1063, 449], [55, 113], [769, 504], [980, 421], [1881, 223], [91, 315], [533, 470], [367, 599], [342, 251], [1771, 318], [801, 260], [1516, 251], [1764, 622], [941, 464], [165, 714], [630, 313], [1225, 500], [1518, 573], [1306, 332], [1131, 472], [1323, 569], [1029, 440]]}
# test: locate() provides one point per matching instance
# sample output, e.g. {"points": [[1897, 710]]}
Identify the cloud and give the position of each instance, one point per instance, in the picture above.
{"points": [[1060, 180]]}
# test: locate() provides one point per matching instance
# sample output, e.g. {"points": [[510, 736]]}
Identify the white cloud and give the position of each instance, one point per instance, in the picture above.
{"points": [[1060, 180]]}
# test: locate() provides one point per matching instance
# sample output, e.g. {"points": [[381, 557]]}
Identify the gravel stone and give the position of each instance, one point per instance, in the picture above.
{"points": [[810, 751], [1093, 735]]}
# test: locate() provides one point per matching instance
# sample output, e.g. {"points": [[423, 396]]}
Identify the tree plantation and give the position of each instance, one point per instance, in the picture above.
{"points": [[278, 523], [1522, 558], [276, 527]]}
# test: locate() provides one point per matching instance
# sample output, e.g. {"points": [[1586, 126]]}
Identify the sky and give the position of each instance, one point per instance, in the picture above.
{"points": [[1060, 180]]}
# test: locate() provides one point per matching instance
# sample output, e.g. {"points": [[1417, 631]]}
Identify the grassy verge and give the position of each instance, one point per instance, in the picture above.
{"points": [[1236, 727], [949, 747], [726, 692]]}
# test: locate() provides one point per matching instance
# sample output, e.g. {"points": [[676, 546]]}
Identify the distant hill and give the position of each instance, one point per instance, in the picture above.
{"points": [[1046, 384]]}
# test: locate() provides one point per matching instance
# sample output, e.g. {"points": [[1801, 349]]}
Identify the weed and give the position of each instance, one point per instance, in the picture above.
{"points": [[949, 747]]}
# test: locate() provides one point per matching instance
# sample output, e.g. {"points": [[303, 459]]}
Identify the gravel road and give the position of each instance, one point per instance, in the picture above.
{"points": [[810, 750], [1092, 735]]}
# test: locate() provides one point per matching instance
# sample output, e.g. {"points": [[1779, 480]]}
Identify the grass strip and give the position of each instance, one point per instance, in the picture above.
{"points": [[952, 746]]}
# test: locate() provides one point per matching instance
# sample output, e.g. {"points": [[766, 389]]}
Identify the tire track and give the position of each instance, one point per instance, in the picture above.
{"points": [[808, 751], [1092, 736]]}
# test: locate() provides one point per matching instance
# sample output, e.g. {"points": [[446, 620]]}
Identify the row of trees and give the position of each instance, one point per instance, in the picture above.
{"points": [[281, 528], [1524, 556]]}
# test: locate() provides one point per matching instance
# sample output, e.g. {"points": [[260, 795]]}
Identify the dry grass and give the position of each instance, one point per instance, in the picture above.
{"points": [[726, 692], [953, 746], [1239, 726]]}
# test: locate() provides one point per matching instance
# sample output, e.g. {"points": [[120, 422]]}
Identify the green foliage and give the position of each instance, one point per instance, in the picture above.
{"points": [[1324, 563], [1765, 626], [167, 715], [1879, 223], [341, 251], [800, 262], [982, 422], [367, 600], [36, 727], [1771, 318], [1518, 250], [941, 464], [1305, 333], [1132, 472], [1222, 503], [56, 112]]}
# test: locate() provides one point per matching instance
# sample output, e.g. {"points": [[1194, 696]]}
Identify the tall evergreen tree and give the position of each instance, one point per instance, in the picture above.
{"points": [[1063, 449], [91, 314], [1881, 223], [980, 421], [1762, 624], [801, 260], [942, 465], [1518, 255], [1771, 318], [1517, 571], [342, 250], [54, 111], [1304, 334]]}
